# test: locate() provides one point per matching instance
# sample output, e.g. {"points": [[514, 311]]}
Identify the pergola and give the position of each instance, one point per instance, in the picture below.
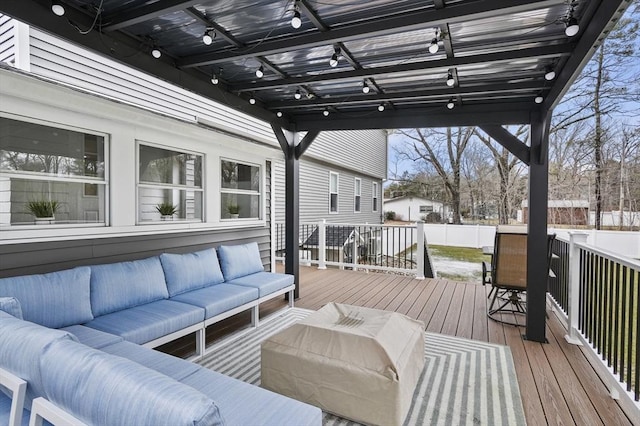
{"points": [[310, 65]]}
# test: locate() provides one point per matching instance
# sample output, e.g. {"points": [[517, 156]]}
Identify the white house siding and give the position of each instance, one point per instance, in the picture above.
{"points": [[7, 40], [314, 194], [408, 208]]}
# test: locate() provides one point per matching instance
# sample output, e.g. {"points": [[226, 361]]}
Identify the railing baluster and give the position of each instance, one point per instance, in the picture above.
{"points": [[616, 320], [623, 322], [610, 309], [583, 291], [632, 311]]}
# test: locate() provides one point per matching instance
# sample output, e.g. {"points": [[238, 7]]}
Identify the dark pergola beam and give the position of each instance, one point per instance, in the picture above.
{"points": [[601, 15], [312, 15], [509, 141], [533, 52], [439, 116], [144, 13], [431, 93], [306, 142], [221, 31], [408, 21]]}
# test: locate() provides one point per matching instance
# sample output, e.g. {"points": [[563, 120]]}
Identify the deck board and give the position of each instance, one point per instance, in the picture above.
{"points": [[557, 383]]}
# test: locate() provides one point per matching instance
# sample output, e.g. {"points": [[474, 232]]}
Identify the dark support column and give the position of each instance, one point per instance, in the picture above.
{"points": [[292, 153], [537, 267]]}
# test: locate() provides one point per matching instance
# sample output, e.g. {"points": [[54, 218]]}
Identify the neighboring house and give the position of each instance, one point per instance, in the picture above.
{"points": [[111, 144], [411, 209], [562, 212]]}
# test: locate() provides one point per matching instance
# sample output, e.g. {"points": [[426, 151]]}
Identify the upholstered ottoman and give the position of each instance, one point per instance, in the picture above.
{"points": [[359, 363]]}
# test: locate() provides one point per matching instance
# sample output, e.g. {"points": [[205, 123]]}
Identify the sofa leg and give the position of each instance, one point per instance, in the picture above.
{"points": [[200, 342], [255, 316], [291, 299]]}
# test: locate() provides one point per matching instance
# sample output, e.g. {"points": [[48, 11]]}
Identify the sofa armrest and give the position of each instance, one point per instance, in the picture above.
{"points": [[18, 388]]}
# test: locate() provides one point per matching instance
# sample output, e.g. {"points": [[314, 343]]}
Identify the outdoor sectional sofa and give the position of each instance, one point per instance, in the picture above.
{"points": [[80, 339]]}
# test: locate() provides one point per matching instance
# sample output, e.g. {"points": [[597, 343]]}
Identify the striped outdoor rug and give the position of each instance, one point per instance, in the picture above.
{"points": [[465, 382]]}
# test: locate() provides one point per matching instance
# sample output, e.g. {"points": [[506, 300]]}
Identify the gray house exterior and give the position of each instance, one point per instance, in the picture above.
{"points": [[50, 83]]}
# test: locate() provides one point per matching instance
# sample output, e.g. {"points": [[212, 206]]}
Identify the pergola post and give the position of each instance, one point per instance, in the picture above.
{"points": [[292, 151], [537, 259]]}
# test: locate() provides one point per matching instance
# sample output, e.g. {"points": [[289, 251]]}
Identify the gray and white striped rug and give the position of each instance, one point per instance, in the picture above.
{"points": [[464, 382]]}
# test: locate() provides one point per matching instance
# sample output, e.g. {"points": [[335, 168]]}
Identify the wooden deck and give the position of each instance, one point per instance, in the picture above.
{"points": [[557, 383]]}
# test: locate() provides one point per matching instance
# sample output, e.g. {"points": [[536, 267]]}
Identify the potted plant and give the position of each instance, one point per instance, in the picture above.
{"points": [[166, 210], [234, 211], [43, 210]]}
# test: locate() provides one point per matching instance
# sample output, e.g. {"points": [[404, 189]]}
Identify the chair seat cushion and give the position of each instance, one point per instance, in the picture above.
{"points": [[218, 298], [190, 271], [145, 323], [91, 337], [232, 397], [99, 388], [54, 300], [265, 282]]}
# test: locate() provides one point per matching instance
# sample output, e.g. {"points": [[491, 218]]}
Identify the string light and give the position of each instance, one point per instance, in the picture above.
{"points": [[208, 36], [215, 78], [252, 100], [260, 72], [433, 47], [365, 88], [325, 112], [451, 104], [572, 26], [550, 74], [333, 62], [381, 107], [297, 95], [279, 114], [450, 80], [539, 99], [156, 53], [296, 21], [57, 8]]}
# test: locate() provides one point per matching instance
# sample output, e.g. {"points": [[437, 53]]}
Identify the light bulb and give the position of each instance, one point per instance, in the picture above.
{"points": [[57, 8], [325, 112], [433, 47], [539, 99], [381, 107], [550, 75], [365, 88], [156, 53], [208, 36], [451, 104], [297, 95], [450, 80], [279, 114], [260, 72], [296, 22], [252, 100], [334, 60], [572, 27], [214, 79]]}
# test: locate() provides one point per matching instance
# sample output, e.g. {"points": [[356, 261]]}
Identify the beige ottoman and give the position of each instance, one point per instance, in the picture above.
{"points": [[359, 363]]}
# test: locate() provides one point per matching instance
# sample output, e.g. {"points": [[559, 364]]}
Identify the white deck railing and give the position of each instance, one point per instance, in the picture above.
{"points": [[597, 294]]}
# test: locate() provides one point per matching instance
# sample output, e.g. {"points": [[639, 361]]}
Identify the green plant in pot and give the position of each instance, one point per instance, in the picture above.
{"points": [[166, 210], [43, 210], [234, 210]]}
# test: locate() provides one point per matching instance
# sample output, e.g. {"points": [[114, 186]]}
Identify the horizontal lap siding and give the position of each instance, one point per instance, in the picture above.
{"points": [[7, 40]]}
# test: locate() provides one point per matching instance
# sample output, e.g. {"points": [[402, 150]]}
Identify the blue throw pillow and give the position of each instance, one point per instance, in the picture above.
{"points": [[55, 300], [11, 305], [118, 286], [184, 272], [99, 388], [238, 261]]}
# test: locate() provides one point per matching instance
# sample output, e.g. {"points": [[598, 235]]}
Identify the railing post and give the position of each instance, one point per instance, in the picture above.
{"points": [[322, 242], [420, 251], [574, 286], [354, 250]]}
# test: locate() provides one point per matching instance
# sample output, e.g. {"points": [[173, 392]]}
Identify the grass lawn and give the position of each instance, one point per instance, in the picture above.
{"points": [[460, 263]]}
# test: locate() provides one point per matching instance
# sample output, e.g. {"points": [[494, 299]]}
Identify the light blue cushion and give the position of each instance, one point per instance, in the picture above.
{"points": [[91, 337], [99, 388], [234, 397], [118, 286], [240, 260], [266, 282], [21, 346], [168, 365], [145, 323], [218, 298], [184, 272], [55, 300], [11, 305]]}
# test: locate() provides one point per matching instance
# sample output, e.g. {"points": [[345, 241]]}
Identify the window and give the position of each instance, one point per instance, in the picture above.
{"points": [[374, 191], [169, 185], [333, 192], [357, 192], [240, 190], [426, 209], [51, 175]]}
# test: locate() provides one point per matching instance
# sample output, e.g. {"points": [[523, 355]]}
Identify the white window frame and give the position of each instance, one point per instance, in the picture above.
{"points": [[260, 193], [337, 192], [168, 185], [35, 176], [374, 196], [357, 195]]}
